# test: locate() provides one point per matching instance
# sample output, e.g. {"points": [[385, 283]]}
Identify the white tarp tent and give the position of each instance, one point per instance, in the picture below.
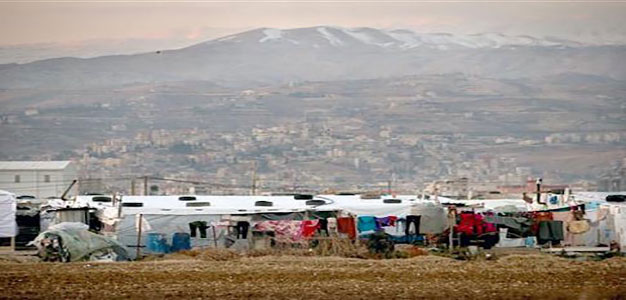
{"points": [[595, 196], [615, 227], [217, 205], [8, 207], [167, 225]]}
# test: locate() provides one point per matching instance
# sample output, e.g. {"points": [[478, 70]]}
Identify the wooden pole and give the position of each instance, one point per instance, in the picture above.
{"points": [[214, 236], [253, 178], [451, 223], [145, 185], [139, 236]]}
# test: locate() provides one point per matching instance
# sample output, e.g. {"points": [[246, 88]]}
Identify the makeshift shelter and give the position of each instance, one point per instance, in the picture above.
{"points": [[403, 217], [68, 242], [171, 223]]}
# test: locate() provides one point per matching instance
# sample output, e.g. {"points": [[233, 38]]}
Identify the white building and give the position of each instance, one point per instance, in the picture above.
{"points": [[41, 179]]}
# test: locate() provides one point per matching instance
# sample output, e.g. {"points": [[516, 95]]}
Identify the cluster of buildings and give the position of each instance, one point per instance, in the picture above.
{"points": [[49, 179], [305, 155]]}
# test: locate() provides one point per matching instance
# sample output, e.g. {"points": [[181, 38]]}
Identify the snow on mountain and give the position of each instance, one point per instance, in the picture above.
{"points": [[271, 34], [399, 38], [268, 55], [332, 39]]}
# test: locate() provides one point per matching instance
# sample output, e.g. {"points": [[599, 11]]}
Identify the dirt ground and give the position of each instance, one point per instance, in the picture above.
{"points": [[281, 277]]}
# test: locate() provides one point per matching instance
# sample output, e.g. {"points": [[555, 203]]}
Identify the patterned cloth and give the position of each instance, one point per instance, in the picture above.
{"points": [[286, 231]]}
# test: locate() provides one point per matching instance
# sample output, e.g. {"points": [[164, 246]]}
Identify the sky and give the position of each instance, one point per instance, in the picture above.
{"points": [[189, 22]]}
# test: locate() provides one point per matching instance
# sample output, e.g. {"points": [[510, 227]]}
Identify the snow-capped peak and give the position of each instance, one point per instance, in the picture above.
{"points": [[271, 34], [332, 39], [400, 39]]}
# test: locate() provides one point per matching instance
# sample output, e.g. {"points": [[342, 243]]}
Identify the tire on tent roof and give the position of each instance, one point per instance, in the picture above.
{"points": [[615, 198], [303, 197]]}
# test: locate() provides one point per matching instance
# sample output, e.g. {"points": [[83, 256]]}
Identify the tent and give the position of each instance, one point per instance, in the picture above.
{"points": [[8, 208], [71, 241], [165, 219]]}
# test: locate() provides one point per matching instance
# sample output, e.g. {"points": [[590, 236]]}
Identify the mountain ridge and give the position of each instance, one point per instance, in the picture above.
{"points": [[270, 56], [407, 39]]}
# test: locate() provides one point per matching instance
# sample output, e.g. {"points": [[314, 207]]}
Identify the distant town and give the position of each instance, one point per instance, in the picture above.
{"points": [[405, 134]]}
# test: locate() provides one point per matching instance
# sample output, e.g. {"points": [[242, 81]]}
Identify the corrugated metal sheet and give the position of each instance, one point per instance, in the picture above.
{"points": [[34, 165]]}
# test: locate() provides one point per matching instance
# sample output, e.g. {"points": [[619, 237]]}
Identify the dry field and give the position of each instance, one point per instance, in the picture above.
{"points": [[281, 277]]}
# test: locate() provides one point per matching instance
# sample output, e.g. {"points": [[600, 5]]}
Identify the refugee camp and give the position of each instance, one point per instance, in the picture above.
{"points": [[576, 227], [313, 149]]}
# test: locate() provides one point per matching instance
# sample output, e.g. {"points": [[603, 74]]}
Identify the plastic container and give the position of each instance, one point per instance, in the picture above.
{"points": [[157, 243], [181, 241]]}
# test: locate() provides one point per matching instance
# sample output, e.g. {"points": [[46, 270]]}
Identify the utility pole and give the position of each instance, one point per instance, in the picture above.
{"points": [[145, 185], [139, 237], [253, 188], [539, 182]]}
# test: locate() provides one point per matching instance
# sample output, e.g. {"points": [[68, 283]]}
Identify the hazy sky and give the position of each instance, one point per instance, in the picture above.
{"points": [[64, 22]]}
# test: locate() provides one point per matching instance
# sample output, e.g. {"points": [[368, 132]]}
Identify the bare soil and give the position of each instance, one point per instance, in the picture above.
{"points": [[282, 277]]}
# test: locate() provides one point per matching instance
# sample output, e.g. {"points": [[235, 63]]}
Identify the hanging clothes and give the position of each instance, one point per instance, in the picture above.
{"points": [[517, 227], [346, 225], [285, 231], [367, 223], [412, 225], [309, 227], [323, 227], [470, 224], [242, 228], [332, 226], [474, 224], [386, 221], [539, 217], [198, 226], [550, 231]]}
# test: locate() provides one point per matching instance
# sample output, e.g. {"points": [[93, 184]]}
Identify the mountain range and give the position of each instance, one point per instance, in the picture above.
{"points": [[274, 56]]}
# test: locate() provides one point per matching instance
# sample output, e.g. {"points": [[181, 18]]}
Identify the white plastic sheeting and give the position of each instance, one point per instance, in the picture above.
{"points": [[494, 204], [618, 213], [353, 204], [8, 208], [213, 205], [595, 196], [247, 204], [168, 224]]}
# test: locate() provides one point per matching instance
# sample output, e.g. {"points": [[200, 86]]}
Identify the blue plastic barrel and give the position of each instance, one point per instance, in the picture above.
{"points": [[157, 243], [181, 241]]}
